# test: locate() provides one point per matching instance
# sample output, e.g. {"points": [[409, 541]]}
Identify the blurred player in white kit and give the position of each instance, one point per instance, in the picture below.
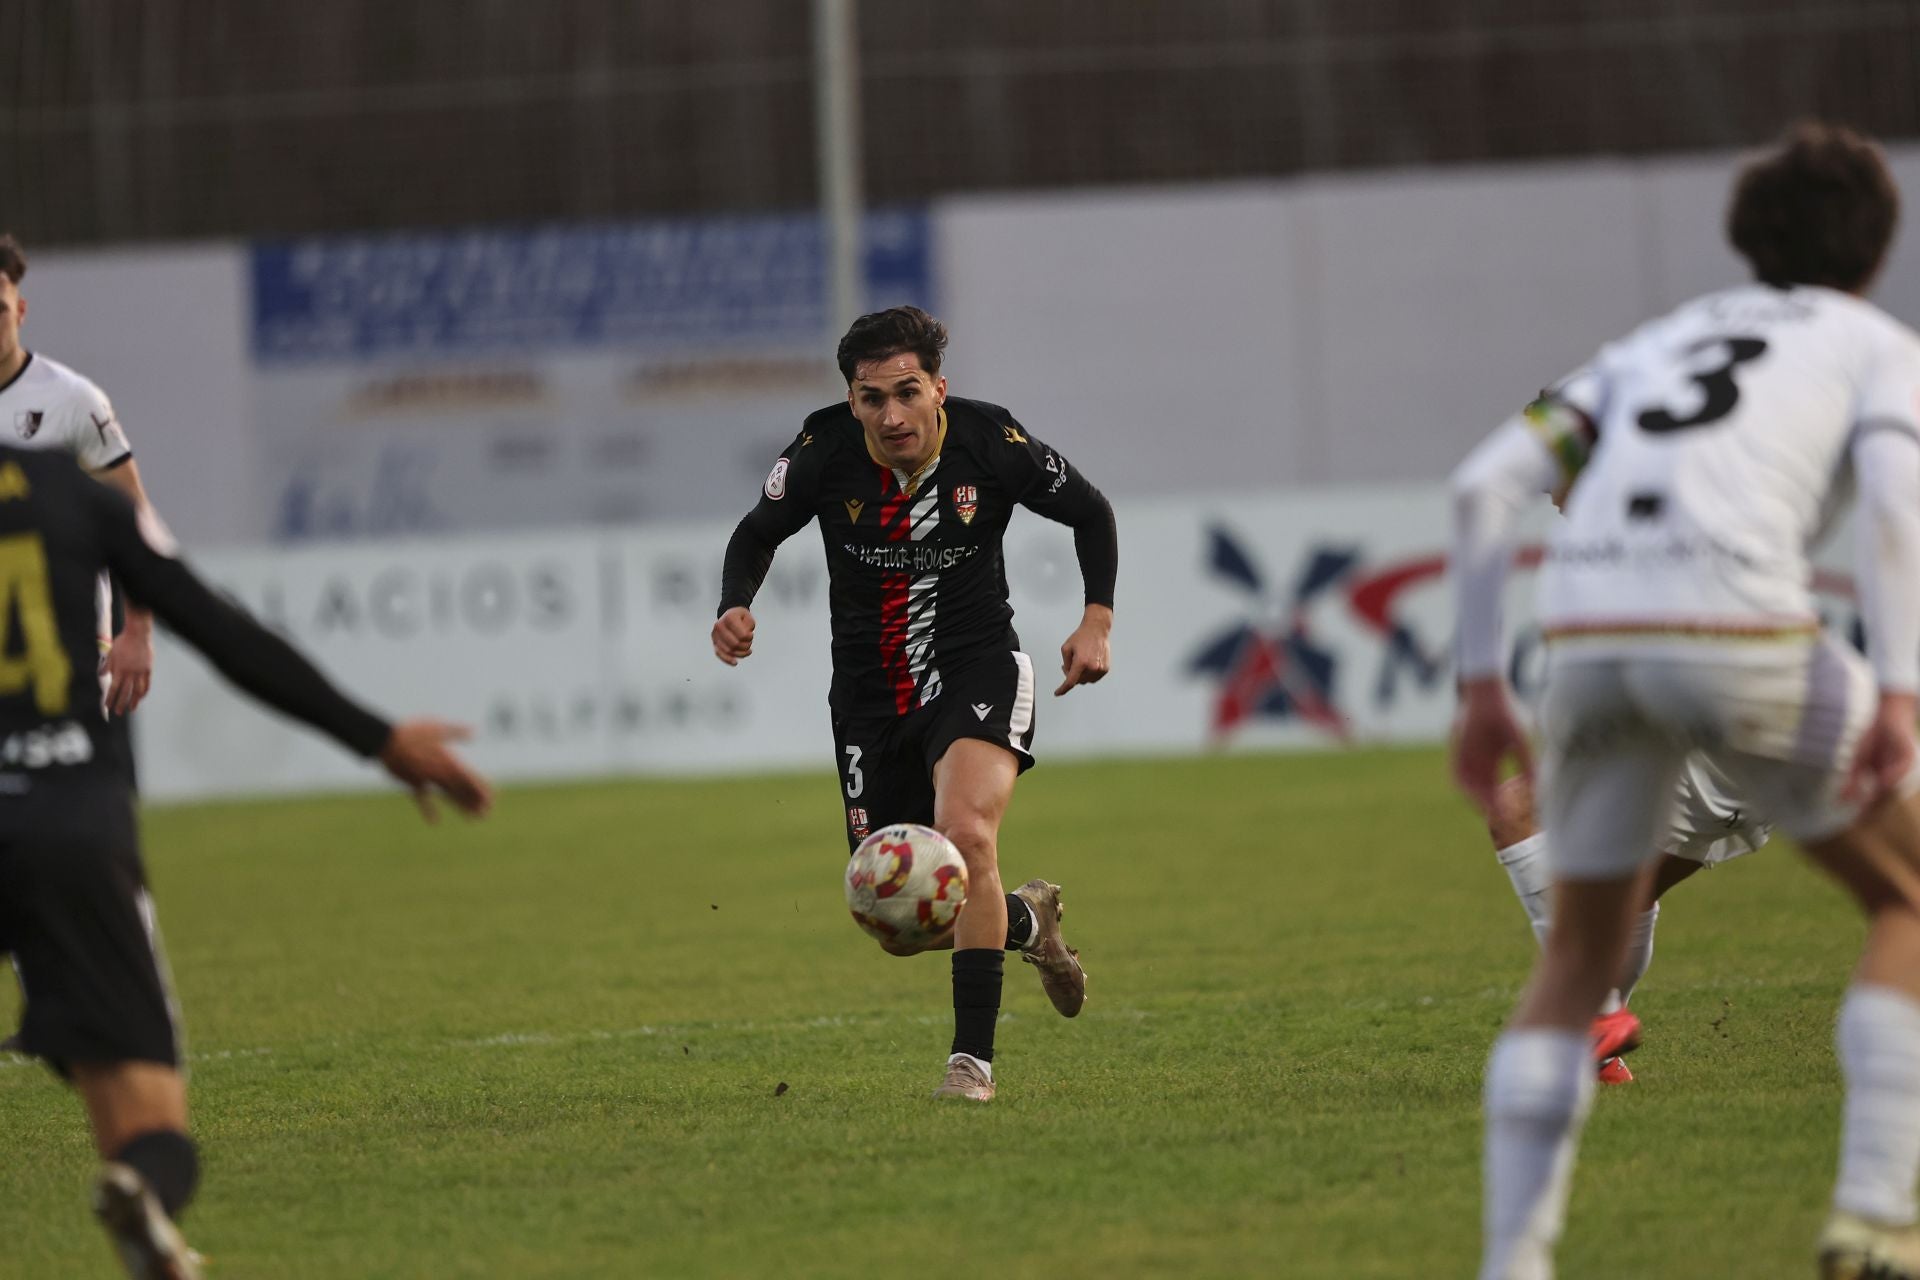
{"points": [[1712, 447], [45, 405]]}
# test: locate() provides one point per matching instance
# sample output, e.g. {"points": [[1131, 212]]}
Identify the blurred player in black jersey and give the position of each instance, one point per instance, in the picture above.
{"points": [[74, 908], [932, 699]]}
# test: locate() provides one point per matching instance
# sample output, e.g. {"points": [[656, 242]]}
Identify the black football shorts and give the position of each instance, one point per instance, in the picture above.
{"points": [[75, 913], [886, 762]]}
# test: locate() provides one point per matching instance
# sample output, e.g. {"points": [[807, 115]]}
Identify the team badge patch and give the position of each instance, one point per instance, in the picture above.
{"points": [[777, 480], [857, 821], [27, 422], [966, 501]]}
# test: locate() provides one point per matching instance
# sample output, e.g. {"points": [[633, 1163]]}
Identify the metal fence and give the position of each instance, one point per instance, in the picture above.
{"points": [[143, 119]]}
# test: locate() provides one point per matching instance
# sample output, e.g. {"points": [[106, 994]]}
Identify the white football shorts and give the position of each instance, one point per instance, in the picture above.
{"points": [[1710, 823], [1618, 730]]}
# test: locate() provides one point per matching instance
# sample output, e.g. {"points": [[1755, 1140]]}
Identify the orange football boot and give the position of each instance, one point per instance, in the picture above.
{"points": [[1614, 1034]]}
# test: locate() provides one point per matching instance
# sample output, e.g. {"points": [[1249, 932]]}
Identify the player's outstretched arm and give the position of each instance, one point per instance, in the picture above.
{"points": [[733, 635], [271, 670], [418, 757]]}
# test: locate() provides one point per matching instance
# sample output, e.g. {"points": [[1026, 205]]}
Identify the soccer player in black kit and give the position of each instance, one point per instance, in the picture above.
{"points": [[932, 699], [74, 909]]}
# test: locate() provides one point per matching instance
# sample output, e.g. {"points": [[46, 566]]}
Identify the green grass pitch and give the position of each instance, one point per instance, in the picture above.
{"points": [[552, 1044]]}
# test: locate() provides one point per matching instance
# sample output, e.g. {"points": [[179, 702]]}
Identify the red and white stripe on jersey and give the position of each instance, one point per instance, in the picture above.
{"points": [[909, 601], [923, 597]]}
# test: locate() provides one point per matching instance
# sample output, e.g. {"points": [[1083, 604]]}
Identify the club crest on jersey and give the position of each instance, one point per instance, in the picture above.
{"points": [[966, 501], [27, 422], [857, 821], [777, 480]]}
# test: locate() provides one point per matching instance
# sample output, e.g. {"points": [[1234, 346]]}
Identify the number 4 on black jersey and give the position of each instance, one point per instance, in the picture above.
{"points": [[58, 530]]}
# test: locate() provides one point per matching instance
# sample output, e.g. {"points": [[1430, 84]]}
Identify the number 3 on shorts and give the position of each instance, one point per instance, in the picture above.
{"points": [[856, 781]]}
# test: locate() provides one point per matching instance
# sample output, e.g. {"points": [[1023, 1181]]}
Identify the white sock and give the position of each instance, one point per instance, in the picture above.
{"points": [[1539, 1086], [1526, 865], [986, 1068], [1639, 953], [1879, 1041]]}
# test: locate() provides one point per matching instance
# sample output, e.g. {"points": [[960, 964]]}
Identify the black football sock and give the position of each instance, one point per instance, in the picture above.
{"points": [[1019, 923], [169, 1162], [976, 1000]]}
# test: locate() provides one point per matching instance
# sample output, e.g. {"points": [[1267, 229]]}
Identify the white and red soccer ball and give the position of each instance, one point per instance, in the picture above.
{"points": [[905, 885]]}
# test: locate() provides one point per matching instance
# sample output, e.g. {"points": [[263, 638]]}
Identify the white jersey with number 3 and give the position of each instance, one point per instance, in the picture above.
{"points": [[1722, 453]]}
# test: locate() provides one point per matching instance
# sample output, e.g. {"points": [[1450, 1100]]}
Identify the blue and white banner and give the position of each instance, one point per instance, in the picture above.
{"points": [[552, 377]]}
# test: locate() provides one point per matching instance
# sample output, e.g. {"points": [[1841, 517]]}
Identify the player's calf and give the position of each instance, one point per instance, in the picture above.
{"points": [[1512, 818]]}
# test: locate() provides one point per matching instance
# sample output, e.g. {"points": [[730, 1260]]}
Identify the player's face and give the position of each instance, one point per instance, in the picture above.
{"points": [[898, 404], [13, 309]]}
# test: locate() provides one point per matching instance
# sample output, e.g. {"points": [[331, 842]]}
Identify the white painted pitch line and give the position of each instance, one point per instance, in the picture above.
{"points": [[524, 1039], [17, 1062]]}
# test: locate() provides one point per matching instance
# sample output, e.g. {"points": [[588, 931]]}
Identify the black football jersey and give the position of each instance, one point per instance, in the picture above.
{"points": [[59, 529], [917, 584]]}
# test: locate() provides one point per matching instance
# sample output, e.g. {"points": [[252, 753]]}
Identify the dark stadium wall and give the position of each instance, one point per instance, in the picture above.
{"points": [[181, 119]]}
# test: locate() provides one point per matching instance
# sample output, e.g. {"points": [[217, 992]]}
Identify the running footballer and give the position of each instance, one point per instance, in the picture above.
{"points": [[932, 698]]}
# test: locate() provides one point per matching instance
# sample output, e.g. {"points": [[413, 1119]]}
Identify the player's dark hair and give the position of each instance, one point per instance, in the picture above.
{"points": [[892, 332], [13, 259], [1819, 209]]}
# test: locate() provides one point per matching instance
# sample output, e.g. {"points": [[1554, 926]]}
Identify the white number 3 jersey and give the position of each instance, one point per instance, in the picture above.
{"points": [[49, 406], [1722, 439]]}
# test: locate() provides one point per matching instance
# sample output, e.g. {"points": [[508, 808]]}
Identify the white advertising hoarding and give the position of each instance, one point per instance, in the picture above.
{"points": [[1255, 620], [1249, 621]]}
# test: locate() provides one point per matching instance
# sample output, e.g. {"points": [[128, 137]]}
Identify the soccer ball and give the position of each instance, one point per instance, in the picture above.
{"points": [[905, 884]]}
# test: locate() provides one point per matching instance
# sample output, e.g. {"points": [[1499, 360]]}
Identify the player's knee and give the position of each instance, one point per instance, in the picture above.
{"points": [[1512, 819], [975, 837]]}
